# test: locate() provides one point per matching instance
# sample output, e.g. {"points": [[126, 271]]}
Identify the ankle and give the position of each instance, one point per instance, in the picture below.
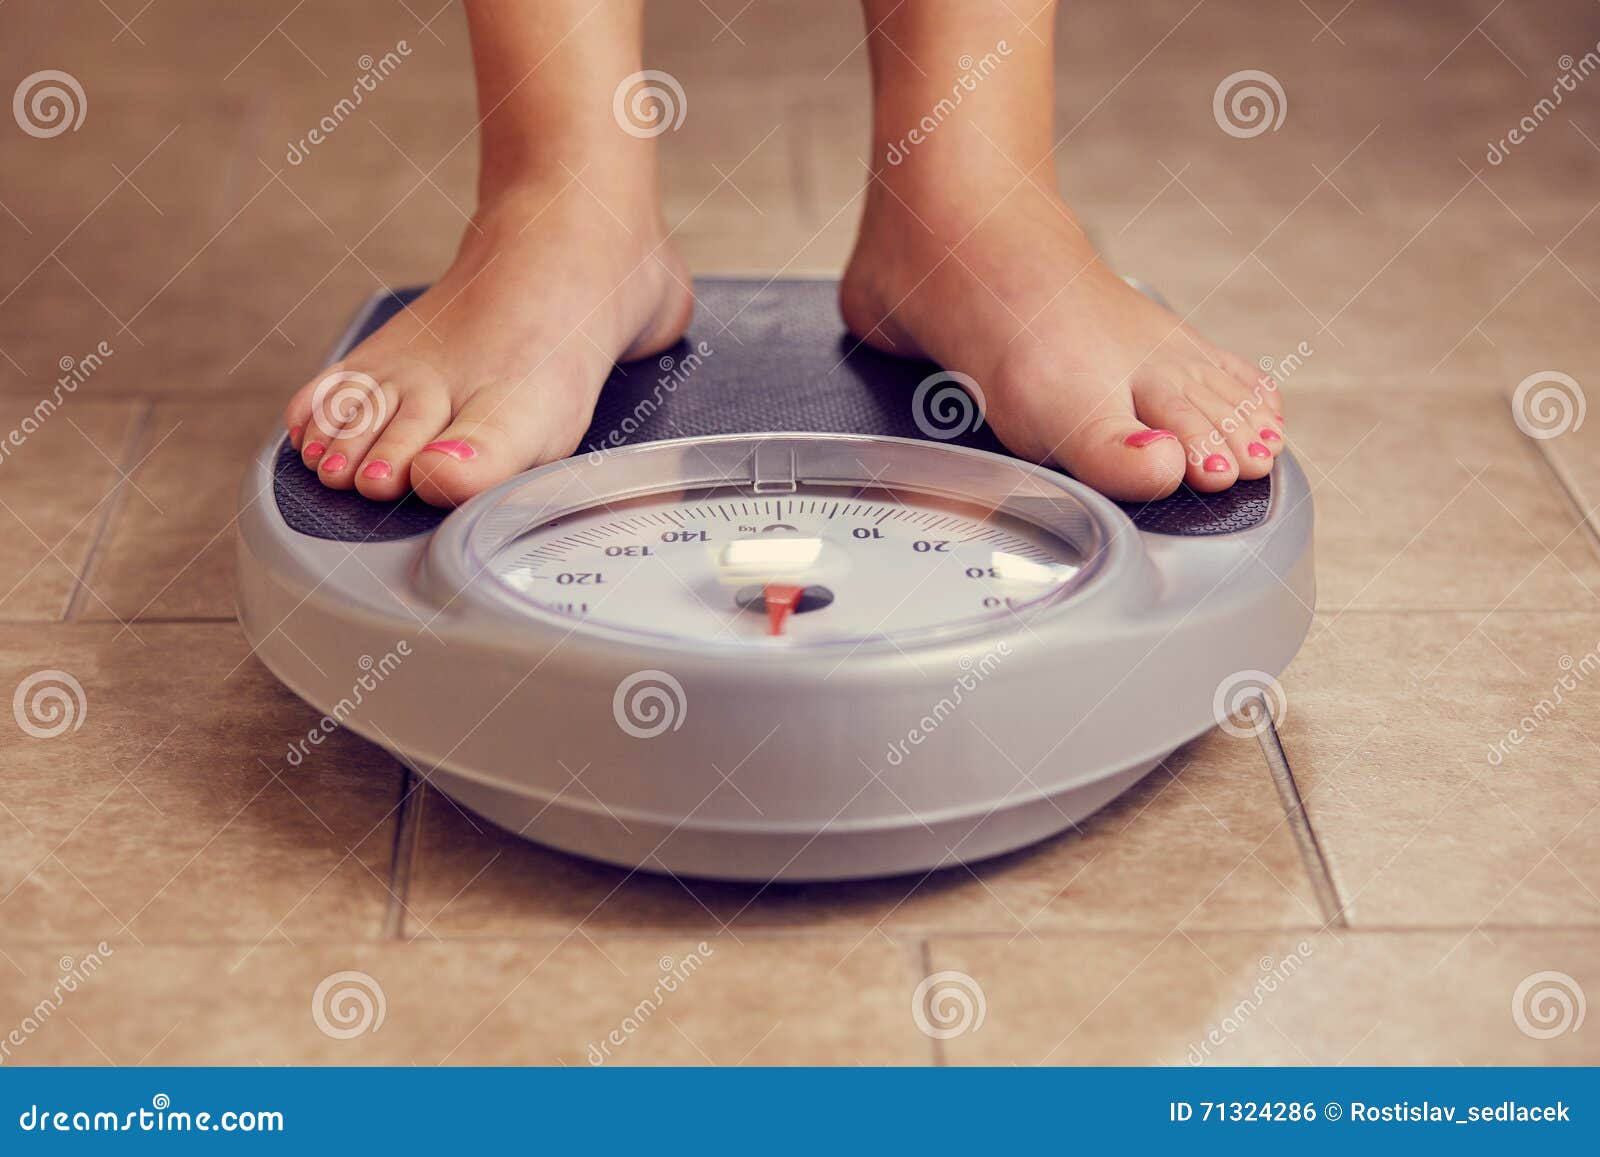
{"points": [[515, 195], [626, 185], [917, 208]]}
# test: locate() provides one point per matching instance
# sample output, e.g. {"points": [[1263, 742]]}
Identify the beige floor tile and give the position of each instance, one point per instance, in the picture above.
{"points": [[1415, 72], [1205, 847], [170, 550], [1545, 277], [173, 218], [58, 487], [169, 811], [747, 244], [246, 306], [764, 172], [1430, 502], [1456, 577], [1381, 295], [1542, 323], [552, 1002], [1429, 810], [758, 42], [1283, 998], [744, 141]]}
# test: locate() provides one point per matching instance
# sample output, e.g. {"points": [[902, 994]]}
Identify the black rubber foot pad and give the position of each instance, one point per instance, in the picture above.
{"points": [[760, 357]]}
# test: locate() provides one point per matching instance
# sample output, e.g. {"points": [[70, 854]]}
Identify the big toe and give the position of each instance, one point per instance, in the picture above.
{"points": [[490, 439], [1124, 458], [464, 460]]}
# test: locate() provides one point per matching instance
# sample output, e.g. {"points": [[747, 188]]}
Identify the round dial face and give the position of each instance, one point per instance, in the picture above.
{"points": [[817, 564]]}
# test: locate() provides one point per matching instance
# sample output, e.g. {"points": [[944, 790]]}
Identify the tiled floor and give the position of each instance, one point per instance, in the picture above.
{"points": [[1411, 914]]}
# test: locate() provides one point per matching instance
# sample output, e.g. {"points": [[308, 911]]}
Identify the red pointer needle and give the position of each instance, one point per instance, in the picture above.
{"points": [[782, 598]]}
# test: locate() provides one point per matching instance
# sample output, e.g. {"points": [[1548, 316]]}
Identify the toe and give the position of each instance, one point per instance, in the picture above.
{"points": [[1236, 420], [337, 467], [495, 434], [1258, 385], [1208, 465], [318, 426], [1124, 458], [342, 398], [297, 414], [384, 471], [466, 458], [1255, 380]]}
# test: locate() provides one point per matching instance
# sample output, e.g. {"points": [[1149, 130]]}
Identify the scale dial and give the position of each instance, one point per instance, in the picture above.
{"points": [[787, 543]]}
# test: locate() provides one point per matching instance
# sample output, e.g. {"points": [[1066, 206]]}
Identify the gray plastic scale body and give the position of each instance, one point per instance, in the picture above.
{"points": [[981, 703]]}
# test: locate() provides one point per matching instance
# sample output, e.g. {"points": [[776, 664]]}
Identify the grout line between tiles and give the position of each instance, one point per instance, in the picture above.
{"points": [[1558, 473], [1571, 491], [848, 940], [407, 823], [127, 460], [1305, 837]]}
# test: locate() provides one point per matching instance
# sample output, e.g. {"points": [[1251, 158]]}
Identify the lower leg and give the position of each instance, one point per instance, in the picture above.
{"points": [[968, 256], [562, 270]]}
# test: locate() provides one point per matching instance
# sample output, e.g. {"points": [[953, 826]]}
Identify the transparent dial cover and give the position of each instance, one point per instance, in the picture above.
{"points": [[777, 541]]}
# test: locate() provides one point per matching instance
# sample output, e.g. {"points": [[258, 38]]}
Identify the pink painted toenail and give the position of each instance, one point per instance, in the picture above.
{"points": [[1216, 464], [1268, 434], [295, 432], [376, 470], [314, 449], [1144, 437], [334, 462], [454, 448], [1257, 450], [1279, 417]]}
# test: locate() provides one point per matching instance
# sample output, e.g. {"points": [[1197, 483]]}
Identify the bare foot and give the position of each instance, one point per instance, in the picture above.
{"points": [[968, 256], [1075, 366], [496, 368]]}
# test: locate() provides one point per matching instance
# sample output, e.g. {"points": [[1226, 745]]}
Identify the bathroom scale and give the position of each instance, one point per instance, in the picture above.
{"points": [[791, 612]]}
